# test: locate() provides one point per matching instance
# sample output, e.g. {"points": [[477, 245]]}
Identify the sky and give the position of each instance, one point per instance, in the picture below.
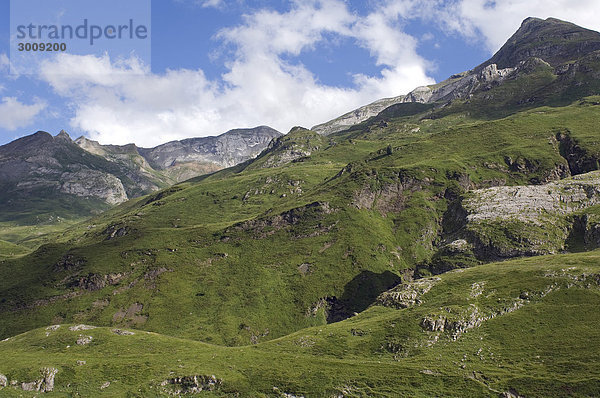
{"points": [[215, 65]]}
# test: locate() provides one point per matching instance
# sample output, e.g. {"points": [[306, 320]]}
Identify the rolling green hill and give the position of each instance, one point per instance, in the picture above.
{"points": [[362, 263], [523, 326]]}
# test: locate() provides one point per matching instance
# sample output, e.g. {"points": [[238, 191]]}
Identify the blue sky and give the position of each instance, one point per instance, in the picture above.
{"points": [[223, 64]]}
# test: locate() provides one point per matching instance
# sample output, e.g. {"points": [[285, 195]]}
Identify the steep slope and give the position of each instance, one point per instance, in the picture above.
{"points": [[44, 177], [545, 62], [556, 42], [252, 255]]}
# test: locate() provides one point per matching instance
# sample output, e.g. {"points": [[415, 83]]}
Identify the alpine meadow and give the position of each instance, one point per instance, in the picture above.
{"points": [[442, 243]]}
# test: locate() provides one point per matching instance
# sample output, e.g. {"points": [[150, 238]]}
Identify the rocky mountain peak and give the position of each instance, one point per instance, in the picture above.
{"points": [[63, 135], [552, 40]]}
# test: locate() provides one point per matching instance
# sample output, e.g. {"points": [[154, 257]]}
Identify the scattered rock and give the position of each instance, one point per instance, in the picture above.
{"points": [[105, 385], [84, 340], [122, 332], [191, 384], [458, 323], [93, 282], [79, 328], [476, 289], [51, 329], [116, 231], [510, 394], [3, 381], [304, 268], [81, 363]]}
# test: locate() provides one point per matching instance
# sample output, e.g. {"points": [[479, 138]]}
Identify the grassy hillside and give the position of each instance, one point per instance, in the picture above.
{"points": [[363, 263], [523, 326], [255, 253]]}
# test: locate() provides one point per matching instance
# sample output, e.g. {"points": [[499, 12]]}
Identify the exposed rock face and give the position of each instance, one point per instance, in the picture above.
{"points": [[511, 221], [94, 184], [407, 294], [44, 384], [531, 203], [191, 384], [229, 149], [458, 86], [42, 166]]}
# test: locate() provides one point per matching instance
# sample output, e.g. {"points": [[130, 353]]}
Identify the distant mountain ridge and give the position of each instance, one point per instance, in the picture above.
{"points": [[42, 176], [553, 43]]}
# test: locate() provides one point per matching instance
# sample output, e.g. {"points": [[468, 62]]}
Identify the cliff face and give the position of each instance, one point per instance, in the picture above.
{"points": [[42, 167]]}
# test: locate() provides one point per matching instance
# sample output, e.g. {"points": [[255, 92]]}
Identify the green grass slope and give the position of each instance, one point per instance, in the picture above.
{"points": [[527, 326], [257, 252]]}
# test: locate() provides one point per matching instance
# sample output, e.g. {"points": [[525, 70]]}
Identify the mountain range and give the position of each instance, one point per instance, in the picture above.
{"points": [[44, 178], [440, 243]]}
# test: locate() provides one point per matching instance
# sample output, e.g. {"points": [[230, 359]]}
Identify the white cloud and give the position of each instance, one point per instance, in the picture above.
{"points": [[494, 21], [211, 3], [204, 3], [14, 114], [4, 62], [123, 102]]}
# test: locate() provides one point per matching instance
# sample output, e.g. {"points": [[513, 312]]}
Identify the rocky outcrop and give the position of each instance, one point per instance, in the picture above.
{"points": [[578, 158], [457, 324], [93, 184], [510, 221], [314, 212], [84, 340], [94, 282], [531, 203], [121, 332], [78, 328], [407, 294], [297, 145], [44, 384], [191, 384]]}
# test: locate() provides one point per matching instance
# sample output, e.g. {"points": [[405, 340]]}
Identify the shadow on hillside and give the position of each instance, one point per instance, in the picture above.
{"points": [[360, 293]]}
